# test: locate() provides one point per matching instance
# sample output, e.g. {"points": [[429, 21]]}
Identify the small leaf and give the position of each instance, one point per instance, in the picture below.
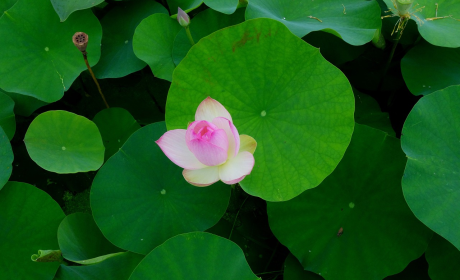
{"points": [[153, 42], [194, 256], [62, 142]]}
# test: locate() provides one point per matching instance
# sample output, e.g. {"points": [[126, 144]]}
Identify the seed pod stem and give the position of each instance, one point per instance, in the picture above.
{"points": [[80, 40]]}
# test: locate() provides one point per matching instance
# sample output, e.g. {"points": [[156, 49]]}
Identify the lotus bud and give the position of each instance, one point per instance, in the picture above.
{"points": [[182, 18], [404, 6]]}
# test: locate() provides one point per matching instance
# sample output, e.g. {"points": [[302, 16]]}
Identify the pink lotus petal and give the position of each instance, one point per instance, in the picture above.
{"points": [[232, 135], [234, 181], [247, 143], [237, 167], [210, 109], [202, 177], [172, 143], [210, 151], [195, 127]]}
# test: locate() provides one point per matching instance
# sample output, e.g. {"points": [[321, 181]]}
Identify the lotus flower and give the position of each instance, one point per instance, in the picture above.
{"points": [[182, 18], [210, 149]]}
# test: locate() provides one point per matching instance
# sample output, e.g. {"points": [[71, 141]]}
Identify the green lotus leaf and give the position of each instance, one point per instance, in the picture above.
{"points": [[279, 90], [7, 119], [204, 23], [431, 181], [29, 219], [24, 105], [359, 203], [334, 49], [65, 7], [39, 58], [62, 142], [118, 267], [427, 68], [443, 259], [438, 21], [115, 125], [186, 5], [139, 197], [118, 25], [355, 21], [223, 6], [80, 239], [368, 112], [195, 256], [153, 42], [6, 158], [293, 270], [5, 5]]}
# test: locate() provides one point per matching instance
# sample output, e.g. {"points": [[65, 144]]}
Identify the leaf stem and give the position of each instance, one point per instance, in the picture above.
{"points": [[189, 35], [236, 217], [94, 79]]}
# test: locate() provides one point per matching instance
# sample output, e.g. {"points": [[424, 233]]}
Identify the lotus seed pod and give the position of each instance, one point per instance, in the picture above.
{"points": [[182, 18], [80, 40], [404, 6]]}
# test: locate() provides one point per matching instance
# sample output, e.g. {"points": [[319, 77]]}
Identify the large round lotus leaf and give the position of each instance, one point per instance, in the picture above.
{"points": [[115, 125], [80, 239], [355, 21], [427, 68], [7, 119], [438, 21], [279, 90], [195, 256], [153, 43], [186, 5], [118, 25], [204, 23], [139, 197], [6, 158], [29, 220], [431, 182], [333, 228], [24, 105], [38, 57], [5, 5], [62, 142], [443, 259], [118, 267], [65, 7]]}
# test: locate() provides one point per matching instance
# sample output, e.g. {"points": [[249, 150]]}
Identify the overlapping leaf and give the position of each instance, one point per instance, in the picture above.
{"points": [[140, 199], [355, 21], [117, 55], [443, 259], [7, 119], [29, 219], [6, 158], [431, 182], [427, 68], [39, 58], [65, 7], [333, 228]]}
